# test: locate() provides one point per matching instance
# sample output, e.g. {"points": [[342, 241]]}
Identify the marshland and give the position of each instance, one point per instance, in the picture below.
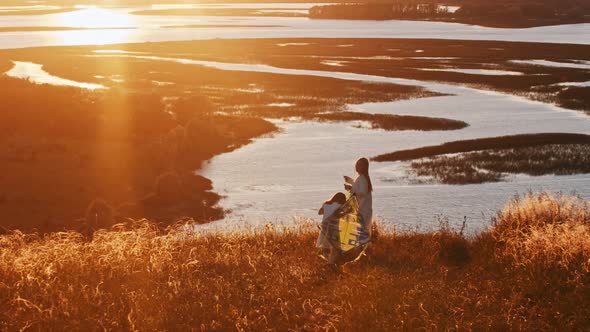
{"points": [[162, 164]]}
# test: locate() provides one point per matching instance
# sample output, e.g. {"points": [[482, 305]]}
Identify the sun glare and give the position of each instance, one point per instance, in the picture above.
{"points": [[93, 17], [95, 37]]}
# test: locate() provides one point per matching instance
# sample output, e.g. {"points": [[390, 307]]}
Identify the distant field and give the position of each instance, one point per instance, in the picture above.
{"points": [[407, 58]]}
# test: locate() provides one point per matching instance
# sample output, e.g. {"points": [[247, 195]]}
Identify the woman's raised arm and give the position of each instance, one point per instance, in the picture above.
{"points": [[348, 179]]}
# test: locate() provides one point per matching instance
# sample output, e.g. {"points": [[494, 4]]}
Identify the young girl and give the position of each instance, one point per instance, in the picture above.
{"points": [[327, 210]]}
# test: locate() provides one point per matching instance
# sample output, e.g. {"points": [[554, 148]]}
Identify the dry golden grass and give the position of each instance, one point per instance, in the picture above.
{"points": [[546, 231], [138, 277]]}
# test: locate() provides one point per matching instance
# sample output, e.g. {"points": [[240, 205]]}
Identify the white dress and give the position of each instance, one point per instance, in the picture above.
{"points": [[360, 188]]}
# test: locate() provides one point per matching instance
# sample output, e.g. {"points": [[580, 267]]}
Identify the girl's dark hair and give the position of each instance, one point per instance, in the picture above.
{"points": [[339, 198], [362, 167]]}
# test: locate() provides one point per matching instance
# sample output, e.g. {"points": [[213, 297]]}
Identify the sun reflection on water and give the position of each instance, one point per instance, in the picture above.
{"points": [[94, 17], [95, 37], [35, 73]]}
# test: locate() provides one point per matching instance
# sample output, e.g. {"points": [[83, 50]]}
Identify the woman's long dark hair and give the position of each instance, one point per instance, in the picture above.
{"points": [[362, 167], [339, 198]]}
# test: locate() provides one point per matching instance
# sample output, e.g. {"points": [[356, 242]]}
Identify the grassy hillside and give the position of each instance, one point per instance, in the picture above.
{"points": [[527, 272]]}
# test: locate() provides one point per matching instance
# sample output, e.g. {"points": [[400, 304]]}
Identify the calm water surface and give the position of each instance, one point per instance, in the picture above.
{"points": [[148, 28]]}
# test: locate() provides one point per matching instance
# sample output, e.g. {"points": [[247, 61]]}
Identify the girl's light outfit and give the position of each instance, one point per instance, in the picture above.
{"points": [[329, 209]]}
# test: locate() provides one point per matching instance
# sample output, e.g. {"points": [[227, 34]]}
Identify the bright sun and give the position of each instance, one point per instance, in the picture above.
{"points": [[93, 17]]}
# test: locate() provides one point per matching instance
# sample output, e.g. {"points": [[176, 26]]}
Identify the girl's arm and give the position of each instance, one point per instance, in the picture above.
{"points": [[321, 211]]}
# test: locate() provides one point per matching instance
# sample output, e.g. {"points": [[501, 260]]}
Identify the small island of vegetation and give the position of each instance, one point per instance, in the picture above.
{"points": [[490, 159]]}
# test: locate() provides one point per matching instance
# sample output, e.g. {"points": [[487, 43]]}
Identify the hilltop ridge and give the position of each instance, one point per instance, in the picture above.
{"points": [[528, 271]]}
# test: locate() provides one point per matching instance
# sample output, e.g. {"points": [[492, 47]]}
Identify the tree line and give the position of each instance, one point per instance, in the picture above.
{"points": [[501, 14]]}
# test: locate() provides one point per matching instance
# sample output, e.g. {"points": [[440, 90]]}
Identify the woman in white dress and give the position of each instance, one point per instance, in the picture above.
{"points": [[362, 188]]}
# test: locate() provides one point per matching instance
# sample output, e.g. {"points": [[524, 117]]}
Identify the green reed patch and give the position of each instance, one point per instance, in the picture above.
{"points": [[493, 165]]}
